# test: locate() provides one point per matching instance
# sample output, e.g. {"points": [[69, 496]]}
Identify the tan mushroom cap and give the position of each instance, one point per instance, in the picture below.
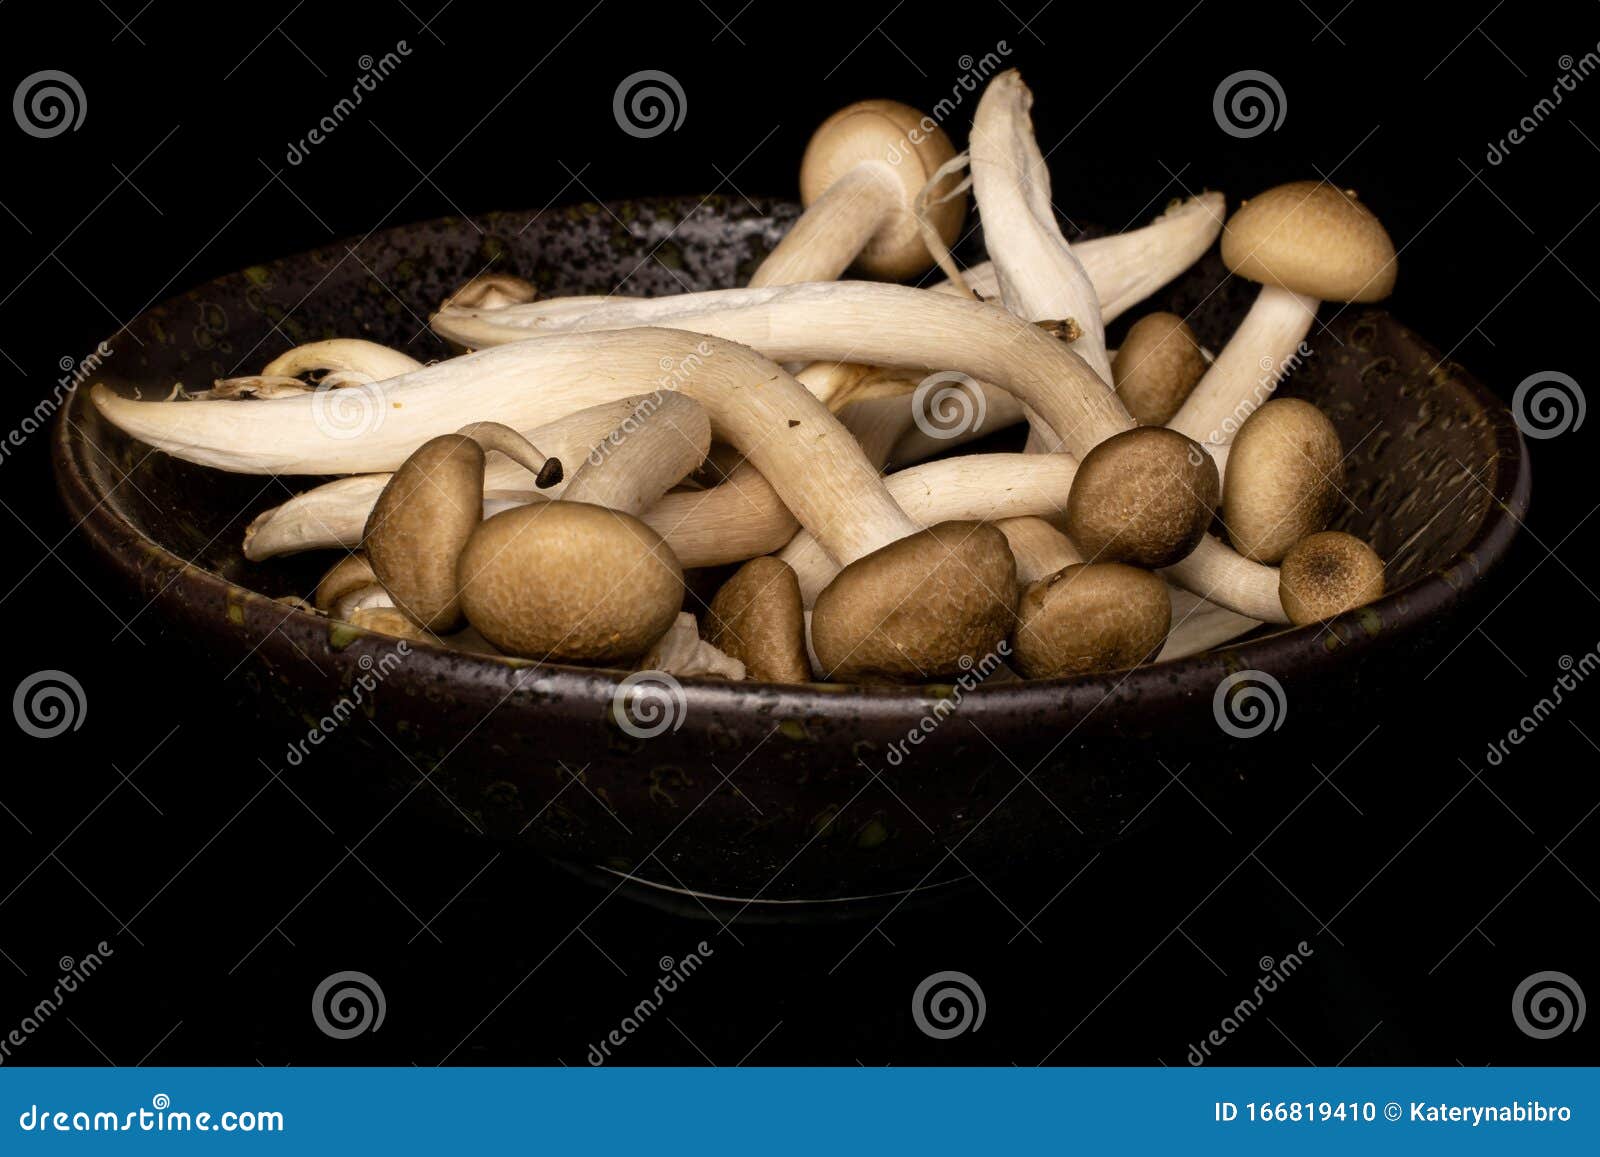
{"points": [[387, 621], [1310, 238], [914, 147], [1097, 616], [1157, 365], [1144, 497], [757, 618], [1327, 574], [349, 573], [419, 524], [569, 581], [928, 605], [1285, 471]]}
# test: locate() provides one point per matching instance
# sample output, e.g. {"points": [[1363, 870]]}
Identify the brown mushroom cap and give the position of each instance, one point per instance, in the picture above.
{"points": [[914, 147], [1310, 238], [925, 606], [1327, 574], [1144, 496], [1097, 616], [420, 523], [1285, 470], [1157, 365], [349, 573], [757, 618], [387, 621], [571, 582]]}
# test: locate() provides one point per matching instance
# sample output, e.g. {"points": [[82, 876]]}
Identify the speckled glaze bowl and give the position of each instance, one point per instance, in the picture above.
{"points": [[765, 796]]}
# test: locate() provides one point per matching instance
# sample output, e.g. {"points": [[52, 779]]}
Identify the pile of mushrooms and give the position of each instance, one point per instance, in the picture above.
{"points": [[615, 448]]}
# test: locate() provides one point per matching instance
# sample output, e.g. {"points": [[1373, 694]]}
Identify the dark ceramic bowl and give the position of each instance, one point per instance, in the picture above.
{"points": [[771, 794]]}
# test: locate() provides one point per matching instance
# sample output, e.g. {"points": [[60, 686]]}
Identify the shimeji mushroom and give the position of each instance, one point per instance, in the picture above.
{"points": [[1090, 617], [1158, 473], [859, 181], [896, 326], [681, 651], [354, 358], [1285, 469], [421, 520], [491, 291], [757, 618], [1328, 573], [1305, 242], [349, 573], [581, 579], [1157, 366]]}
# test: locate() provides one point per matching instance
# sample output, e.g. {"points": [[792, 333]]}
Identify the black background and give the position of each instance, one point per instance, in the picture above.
{"points": [[1426, 891]]}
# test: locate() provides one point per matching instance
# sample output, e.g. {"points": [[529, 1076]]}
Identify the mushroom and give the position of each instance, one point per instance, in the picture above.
{"points": [[1326, 574], [757, 619], [929, 604], [1285, 469], [1145, 496], [1305, 242], [1089, 617], [1157, 366], [349, 573], [491, 291], [859, 181], [388, 621], [425, 512], [367, 597], [581, 579], [355, 358], [681, 651]]}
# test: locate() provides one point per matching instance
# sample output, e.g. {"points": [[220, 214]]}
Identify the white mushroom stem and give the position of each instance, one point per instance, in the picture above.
{"points": [[1220, 575], [1040, 277], [800, 448], [373, 362], [493, 437], [1039, 548], [1247, 370], [662, 442], [835, 227], [887, 325], [681, 651], [979, 487]]}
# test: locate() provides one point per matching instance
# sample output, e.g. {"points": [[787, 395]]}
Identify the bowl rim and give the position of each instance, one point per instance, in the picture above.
{"points": [[1290, 650]]}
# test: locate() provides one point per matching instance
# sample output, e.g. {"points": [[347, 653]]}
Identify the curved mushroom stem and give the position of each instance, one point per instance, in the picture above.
{"points": [[1219, 575], [1039, 548], [835, 228], [800, 448], [1265, 347], [546, 469], [660, 444], [371, 361], [1040, 278]]}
